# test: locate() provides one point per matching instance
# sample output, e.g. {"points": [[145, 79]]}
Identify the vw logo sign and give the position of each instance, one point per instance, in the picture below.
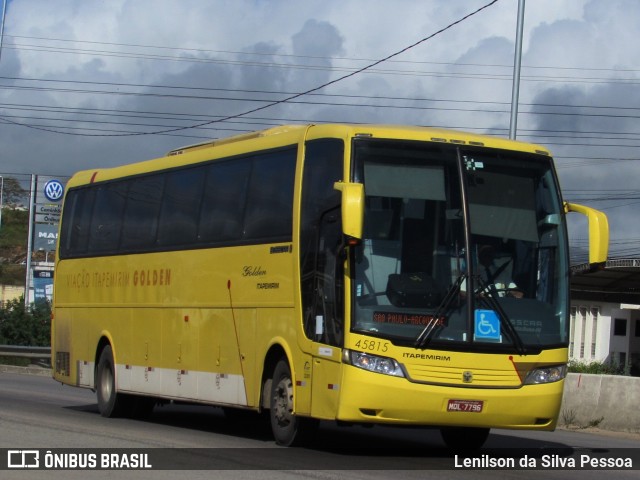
{"points": [[53, 190]]}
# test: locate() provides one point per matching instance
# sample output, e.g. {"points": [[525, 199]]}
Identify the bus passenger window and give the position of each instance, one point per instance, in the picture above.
{"points": [[76, 226], [141, 213], [223, 201], [107, 218], [181, 207], [270, 199]]}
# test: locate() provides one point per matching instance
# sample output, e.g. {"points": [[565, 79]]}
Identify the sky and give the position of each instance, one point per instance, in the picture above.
{"points": [[86, 83]]}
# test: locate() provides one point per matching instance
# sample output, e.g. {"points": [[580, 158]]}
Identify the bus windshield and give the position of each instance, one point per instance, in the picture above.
{"points": [[463, 248]]}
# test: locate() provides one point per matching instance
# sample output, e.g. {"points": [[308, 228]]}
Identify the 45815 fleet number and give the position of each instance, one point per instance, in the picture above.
{"points": [[372, 345]]}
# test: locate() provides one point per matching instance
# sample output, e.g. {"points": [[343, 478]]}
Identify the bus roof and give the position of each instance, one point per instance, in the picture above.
{"points": [[290, 134]]}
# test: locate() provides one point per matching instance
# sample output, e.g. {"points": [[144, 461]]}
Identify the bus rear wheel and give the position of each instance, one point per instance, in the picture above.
{"points": [[288, 429], [466, 438], [110, 402]]}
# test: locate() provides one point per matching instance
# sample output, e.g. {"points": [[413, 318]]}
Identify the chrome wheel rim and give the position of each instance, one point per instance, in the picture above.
{"points": [[283, 402], [106, 383]]}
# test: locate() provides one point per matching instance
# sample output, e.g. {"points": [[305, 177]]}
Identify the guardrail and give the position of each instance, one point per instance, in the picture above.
{"points": [[40, 353]]}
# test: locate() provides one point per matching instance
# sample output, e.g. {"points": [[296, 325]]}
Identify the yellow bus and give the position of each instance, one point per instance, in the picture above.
{"points": [[353, 273]]}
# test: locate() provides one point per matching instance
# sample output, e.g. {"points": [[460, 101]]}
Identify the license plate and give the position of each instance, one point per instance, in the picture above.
{"points": [[473, 406]]}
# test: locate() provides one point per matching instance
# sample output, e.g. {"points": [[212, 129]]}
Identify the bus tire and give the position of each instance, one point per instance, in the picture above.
{"points": [[464, 438], [288, 429], [110, 402]]}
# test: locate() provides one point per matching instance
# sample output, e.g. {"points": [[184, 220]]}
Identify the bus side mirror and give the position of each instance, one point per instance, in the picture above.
{"points": [[598, 231], [352, 208]]}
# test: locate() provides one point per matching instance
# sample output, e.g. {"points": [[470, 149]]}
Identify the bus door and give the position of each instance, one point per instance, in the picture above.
{"points": [[327, 318], [322, 257]]}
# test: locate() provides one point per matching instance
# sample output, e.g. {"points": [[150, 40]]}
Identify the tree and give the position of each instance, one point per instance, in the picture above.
{"points": [[12, 193], [25, 326]]}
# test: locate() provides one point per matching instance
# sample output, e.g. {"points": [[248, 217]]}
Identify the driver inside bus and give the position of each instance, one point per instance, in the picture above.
{"points": [[495, 273]]}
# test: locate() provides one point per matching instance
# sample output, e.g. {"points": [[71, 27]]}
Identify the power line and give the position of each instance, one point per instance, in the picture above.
{"points": [[286, 93], [533, 134], [621, 136], [319, 57], [530, 134], [194, 59], [415, 73], [298, 95]]}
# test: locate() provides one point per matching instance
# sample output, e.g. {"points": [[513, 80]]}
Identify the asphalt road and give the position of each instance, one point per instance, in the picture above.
{"points": [[38, 413]]}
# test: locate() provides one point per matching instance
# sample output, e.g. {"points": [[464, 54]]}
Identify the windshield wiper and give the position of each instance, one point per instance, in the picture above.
{"points": [[437, 323], [489, 293]]}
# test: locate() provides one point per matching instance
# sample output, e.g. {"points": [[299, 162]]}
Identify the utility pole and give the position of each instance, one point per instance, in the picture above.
{"points": [[4, 13], [1, 197], [515, 90], [32, 202]]}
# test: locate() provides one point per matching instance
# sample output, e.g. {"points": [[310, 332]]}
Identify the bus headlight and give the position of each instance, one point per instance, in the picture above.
{"points": [[373, 363], [546, 375]]}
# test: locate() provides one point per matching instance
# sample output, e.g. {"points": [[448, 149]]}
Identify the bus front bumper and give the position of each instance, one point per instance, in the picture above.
{"points": [[368, 397]]}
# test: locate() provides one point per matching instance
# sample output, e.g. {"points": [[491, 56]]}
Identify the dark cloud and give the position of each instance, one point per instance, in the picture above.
{"points": [[596, 130], [318, 39], [573, 60]]}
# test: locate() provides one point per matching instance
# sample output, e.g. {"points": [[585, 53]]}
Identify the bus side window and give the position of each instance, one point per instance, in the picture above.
{"points": [[106, 222], [223, 202], [76, 224], [141, 213], [269, 208], [180, 210]]}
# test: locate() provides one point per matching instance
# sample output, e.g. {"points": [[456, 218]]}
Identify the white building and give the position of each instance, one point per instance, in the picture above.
{"points": [[605, 314]]}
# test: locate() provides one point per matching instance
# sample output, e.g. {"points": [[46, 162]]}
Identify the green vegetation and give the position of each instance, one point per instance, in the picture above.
{"points": [[599, 368], [14, 231], [16, 361], [13, 246], [569, 419], [25, 326]]}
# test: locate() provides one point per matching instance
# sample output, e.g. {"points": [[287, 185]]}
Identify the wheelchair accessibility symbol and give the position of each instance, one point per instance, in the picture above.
{"points": [[487, 326]]}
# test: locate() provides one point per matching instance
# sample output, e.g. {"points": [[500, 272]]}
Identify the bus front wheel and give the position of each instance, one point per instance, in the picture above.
{"points": [[288, 429], [110, 402]]}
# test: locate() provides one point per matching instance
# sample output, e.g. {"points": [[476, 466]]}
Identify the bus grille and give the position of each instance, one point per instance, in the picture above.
{"points": [[63, 363], [464, 377]]}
